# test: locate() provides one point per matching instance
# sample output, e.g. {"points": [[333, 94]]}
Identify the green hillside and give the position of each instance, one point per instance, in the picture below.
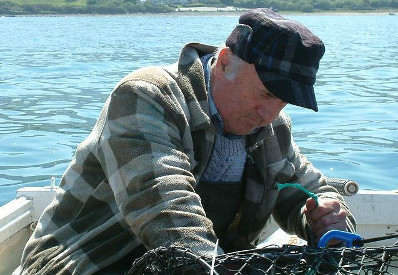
{"points": [[23, 7]]}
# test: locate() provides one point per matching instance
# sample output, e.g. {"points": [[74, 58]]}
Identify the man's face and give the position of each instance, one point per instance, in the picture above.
{"points": [[243, 103]]}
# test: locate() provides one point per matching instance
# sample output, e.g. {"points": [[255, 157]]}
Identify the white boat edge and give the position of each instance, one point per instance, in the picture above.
{"points": [[17, 221], [374, 210]]}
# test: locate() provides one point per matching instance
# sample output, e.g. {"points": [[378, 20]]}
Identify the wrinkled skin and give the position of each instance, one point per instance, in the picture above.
{"points": [[244, 102], [328, 215]]}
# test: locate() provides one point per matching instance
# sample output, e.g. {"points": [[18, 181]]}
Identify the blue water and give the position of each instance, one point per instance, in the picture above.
{"points": [[56, 73]]}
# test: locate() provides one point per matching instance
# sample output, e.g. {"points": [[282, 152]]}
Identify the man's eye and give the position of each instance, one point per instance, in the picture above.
{"points": [[263, 94], [266, 94], [270, 95]]}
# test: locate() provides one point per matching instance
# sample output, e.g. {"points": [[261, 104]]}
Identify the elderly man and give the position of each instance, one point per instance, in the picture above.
{"points": [[190, 153]]}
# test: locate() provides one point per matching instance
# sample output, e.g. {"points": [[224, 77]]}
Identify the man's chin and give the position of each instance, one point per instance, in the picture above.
{"points": [[242, 131], [245, 132]]}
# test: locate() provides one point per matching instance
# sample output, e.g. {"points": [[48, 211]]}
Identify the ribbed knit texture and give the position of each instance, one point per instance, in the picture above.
{"points": [[227, 160]]}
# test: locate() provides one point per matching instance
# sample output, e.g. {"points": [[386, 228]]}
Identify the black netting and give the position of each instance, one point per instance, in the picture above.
{"points": [[272, 260]]}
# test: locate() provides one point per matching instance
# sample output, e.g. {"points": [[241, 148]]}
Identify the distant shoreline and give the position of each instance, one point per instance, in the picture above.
{"points": [[231, 10], [326, 13], [210, 11]]}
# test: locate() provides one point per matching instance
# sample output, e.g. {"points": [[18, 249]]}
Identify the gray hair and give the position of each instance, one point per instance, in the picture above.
{"points": [[235, 63]]}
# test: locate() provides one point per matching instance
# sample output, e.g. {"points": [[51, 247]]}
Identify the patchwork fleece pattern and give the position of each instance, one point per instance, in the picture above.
{"points": [[131, 182]]}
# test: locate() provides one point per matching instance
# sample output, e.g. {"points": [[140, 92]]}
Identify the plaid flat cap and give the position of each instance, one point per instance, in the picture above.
{"points": [[285, 53]]}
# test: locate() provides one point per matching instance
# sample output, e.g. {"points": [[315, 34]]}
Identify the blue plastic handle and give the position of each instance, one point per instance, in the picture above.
{"points": [[348, 237]]}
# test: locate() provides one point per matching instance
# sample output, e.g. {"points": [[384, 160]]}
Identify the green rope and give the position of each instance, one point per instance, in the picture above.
{"points": [[311, 270], [298, 186]]}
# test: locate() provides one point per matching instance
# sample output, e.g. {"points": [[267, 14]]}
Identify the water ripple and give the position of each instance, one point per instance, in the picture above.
{"points": [[56, 73]]}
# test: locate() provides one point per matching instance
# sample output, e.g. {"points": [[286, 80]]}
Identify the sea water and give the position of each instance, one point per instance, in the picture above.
{"points": [[56, 73]]}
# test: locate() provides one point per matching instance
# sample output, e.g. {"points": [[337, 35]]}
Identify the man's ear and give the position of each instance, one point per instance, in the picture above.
{"points": [[223, 60]]}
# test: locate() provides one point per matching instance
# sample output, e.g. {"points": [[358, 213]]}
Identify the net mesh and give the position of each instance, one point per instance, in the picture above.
{"points": [[288, 259]]}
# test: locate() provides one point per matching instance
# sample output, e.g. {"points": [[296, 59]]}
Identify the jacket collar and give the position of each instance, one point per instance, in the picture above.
{"points": [[192, 81], [255, 140]]}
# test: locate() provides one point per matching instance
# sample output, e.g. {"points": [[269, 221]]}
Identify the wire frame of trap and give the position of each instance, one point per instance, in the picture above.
{"points": [[287, 259]]}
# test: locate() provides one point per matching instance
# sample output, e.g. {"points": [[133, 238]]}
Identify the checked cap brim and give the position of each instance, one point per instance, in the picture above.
{"points": [[288, 90]]}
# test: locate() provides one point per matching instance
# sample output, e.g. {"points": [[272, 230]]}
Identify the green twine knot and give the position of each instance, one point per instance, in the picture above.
{"points": [[298, 186]]}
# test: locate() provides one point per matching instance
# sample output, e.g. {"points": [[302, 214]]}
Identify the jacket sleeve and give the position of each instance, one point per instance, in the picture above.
{"points": [[295, 168], [142, 152]]}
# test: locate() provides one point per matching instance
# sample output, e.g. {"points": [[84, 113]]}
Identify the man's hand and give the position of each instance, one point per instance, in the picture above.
{"points": [[328, 215]]}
